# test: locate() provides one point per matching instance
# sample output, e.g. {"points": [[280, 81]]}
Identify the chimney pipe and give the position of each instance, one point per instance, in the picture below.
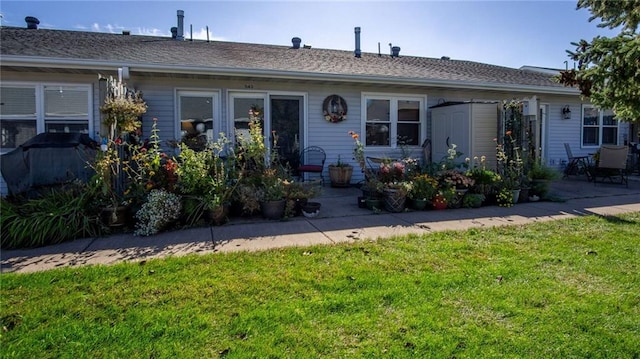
{"points": [[395, 51], [358, 53], [32, 22], [174, 32], [180, 34], [296, 42]]}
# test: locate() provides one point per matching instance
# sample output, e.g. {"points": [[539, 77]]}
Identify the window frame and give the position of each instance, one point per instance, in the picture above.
{"points": [[41, 118], [215, 112], [600, 127], [394, 100]]}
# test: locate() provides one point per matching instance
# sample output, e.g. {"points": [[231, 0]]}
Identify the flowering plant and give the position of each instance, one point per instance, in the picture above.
{"points": [[448, 162], [504, 197], [358, 150], [455, 179], [510, 164], [272, 187], [122, 108], [391, 171], [149, 168], [424, 187], [402, 187], [160, 209]]}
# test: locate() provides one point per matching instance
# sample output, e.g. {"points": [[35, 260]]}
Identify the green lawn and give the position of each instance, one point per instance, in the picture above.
{"points": [[562, 289]]}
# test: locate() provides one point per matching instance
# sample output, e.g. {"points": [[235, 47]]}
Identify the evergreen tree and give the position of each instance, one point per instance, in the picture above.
{"points": [[608, 69]]}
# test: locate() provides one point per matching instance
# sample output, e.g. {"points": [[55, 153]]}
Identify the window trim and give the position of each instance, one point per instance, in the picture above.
{"points": [[600, 126], [40, 116], [394, 98]]}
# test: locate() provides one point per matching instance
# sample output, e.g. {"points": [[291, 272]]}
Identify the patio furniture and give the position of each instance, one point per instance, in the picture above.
{"points": [[312, 160], [374, 164], [577, 165], [612, 164]]}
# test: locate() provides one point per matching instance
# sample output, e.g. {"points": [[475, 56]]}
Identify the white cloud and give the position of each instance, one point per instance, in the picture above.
{"points": [[198, 34], [201, 34], [152, 32]]}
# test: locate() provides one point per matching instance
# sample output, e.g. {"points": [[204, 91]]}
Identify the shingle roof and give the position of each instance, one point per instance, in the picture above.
{"points": [[222, 57]]}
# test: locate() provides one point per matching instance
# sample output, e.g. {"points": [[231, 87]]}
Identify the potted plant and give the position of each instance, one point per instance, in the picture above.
{"points": [[504, 197], [311, 209], [340, 174], [297, 195], [472, 200], [272, 195], [540, 175], [422, 191], [510, 165], [456, 180], [106, 185], [158, 212], [439, 201], [246, 198], [395, 195], [484, 178], [122, 109]]}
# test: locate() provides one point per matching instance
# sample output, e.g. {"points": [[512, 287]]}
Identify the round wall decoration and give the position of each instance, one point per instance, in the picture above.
{"points": [[335, 109]]}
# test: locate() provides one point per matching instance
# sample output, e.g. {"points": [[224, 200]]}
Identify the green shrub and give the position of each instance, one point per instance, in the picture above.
{"points": [[60, 215]]}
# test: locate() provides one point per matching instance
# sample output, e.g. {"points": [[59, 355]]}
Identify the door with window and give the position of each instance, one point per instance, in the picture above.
{"points": [[281, 118], [286, 116]]}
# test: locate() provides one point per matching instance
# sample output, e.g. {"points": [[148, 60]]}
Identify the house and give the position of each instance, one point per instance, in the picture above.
{"points": [[50, 82]]}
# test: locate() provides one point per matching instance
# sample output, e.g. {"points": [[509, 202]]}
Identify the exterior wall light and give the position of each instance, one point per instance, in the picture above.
{"points": [[566, 112]]}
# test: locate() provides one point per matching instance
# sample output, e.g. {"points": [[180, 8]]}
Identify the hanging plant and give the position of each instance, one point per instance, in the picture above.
{"points": [[122, 108]]}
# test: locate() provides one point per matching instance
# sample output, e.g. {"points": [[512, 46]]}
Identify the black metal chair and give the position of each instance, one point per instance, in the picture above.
{"points": [[312, 160], [577, 165]]}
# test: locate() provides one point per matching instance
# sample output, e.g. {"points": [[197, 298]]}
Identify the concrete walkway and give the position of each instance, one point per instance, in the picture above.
{"points": [[340, 220]]}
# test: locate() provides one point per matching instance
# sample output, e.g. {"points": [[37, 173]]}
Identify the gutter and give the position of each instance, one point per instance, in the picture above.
{"points": [[36, 62]]}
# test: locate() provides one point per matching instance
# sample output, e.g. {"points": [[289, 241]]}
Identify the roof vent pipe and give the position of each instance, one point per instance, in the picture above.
{"points": [[395, 51], [180, 33], [296, 42], [174, 32], [358, 52], [32, 22]]}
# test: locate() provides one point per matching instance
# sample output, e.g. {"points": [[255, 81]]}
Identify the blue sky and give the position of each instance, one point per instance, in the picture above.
{"points": [[508, 33]]}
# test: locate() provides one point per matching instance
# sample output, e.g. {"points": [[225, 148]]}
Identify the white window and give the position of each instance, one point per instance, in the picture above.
{"points": [[26, 110], [391, 121], [599, 127], [17, 115]]}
